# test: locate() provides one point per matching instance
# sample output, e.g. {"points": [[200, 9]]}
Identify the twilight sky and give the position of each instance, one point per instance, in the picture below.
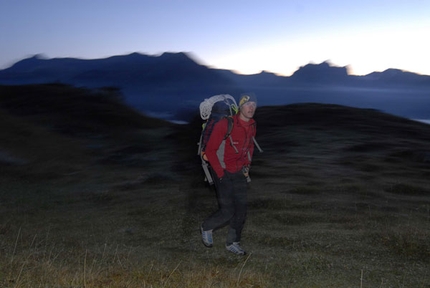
{"points": [[247, 36]]}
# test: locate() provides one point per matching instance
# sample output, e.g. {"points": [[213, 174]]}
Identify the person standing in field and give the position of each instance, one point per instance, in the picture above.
{"points": [[230, 160]]}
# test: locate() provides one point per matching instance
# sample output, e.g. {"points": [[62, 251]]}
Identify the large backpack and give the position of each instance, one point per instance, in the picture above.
{"points": [[212, 110]]}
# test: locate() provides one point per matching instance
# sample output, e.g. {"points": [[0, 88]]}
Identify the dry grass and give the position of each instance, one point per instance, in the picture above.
{"points": [[329, 206]]}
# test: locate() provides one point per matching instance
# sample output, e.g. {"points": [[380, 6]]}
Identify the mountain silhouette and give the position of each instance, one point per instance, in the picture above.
{"points": [[172, 85], [320, 73], [134, 69]]}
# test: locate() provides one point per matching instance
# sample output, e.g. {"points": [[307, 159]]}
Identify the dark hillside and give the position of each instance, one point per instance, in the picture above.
{"points": [[95, 194], [75, 110], [58, 129], [27, 149], [336, 138], [337, 117]]}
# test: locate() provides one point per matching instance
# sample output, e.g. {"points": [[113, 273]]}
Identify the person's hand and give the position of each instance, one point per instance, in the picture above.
{"points": [[220, 177], [245, 171]]}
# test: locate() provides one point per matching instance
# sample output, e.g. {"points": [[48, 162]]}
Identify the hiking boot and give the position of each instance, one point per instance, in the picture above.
{"points": [[207, 237], [235, 248]]}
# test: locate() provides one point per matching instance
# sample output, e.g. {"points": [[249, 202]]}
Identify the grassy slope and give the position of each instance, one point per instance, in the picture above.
{"points": [[93, 194]]}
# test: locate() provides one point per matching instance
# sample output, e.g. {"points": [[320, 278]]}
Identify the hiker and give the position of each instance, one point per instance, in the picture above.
{"points": [[230, 161]]}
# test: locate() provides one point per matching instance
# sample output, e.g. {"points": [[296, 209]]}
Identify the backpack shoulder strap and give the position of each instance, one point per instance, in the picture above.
{"points": [[230, 124]]}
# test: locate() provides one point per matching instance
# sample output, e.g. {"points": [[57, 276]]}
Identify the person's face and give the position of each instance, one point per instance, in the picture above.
{"points": [[247, 110]]}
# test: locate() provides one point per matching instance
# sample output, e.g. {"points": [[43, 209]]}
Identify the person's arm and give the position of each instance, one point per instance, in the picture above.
{"points": [[215, 140]]}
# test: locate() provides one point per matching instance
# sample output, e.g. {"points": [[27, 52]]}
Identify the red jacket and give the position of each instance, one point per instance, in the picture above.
{"points": [[222, 155]]}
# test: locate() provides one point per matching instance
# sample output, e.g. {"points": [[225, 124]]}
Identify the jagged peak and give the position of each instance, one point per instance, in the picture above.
{"points": [[39, 56], [182, 55], [135, 54], [265, 72], [324, 64]]}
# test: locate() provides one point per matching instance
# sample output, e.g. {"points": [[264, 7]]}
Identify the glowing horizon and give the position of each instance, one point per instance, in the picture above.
{"points": [[277, 36]]}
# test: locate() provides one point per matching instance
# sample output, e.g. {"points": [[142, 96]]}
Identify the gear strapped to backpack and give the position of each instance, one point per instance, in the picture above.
{"points": [[212, 110]]}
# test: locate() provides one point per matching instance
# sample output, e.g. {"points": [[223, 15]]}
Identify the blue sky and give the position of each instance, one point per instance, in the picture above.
{"points": [[245, 36]]}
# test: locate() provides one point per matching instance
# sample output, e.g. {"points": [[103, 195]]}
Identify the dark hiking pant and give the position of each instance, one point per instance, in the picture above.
{"points": [[232, 200]]}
